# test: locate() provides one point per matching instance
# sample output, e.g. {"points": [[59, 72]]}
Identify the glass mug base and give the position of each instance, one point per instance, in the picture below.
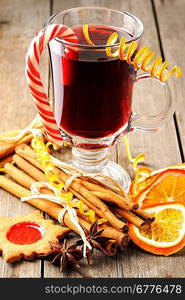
{"points": [[97, 162], [92, 156], [94, 143]]}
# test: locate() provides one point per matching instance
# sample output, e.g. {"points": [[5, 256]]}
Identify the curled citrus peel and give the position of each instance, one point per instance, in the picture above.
{"points": [[134, 161], [139, 181], [143, 59], [166, 234], [54, 180], [140, 174]]}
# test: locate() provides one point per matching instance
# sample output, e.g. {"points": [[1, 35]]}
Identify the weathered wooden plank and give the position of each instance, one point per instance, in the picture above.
{"points": [[19, 21], [139, 264], [170, 15]]}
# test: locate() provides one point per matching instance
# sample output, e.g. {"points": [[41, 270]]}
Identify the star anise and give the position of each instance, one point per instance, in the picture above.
{"points": [[95, 239], [63, 256]]}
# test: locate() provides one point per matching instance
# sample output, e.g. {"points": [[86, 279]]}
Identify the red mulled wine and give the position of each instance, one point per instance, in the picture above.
{"points": [[92, 91]]}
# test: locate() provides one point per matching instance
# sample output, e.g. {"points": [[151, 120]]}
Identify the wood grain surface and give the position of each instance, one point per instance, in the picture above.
{"points": [[164, 24]]}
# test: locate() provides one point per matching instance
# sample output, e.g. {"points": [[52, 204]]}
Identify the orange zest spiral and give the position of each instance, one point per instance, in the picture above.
{"points": [[143, 59]]}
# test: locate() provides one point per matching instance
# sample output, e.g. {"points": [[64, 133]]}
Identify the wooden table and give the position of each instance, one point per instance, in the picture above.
{"points": [[164, 31]]}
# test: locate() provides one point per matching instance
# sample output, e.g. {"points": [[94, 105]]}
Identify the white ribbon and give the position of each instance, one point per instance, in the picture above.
{"points": [[61, 215], [70, 180], [61, 201]]}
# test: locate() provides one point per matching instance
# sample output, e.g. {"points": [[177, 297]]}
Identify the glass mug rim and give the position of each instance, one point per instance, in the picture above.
{"points": [[137, 36]]}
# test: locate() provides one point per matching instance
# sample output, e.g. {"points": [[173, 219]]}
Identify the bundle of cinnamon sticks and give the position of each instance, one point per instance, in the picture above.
{"points": [[116, 209]]}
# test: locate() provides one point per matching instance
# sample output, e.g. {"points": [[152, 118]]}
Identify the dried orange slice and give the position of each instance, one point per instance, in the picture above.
{"points": [[167, 186], [141, 182], [166, 235]]}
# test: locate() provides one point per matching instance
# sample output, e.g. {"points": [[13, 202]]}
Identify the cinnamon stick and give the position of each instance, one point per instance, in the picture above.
{"points": [[18, 175], [6, 159], [144, 214], [8, 148], [29, 169], [122, 238], [27, 153], [111, 247], [114, 198], [130, 216]]}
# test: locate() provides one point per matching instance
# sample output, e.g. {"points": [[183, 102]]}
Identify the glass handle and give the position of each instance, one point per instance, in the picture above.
{"points": [[153, 123]]}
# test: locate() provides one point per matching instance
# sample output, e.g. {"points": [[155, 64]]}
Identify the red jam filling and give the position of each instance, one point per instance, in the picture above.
{"points": [[24, 233]]}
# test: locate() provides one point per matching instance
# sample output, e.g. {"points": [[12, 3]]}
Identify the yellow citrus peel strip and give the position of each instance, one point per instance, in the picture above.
{"points": [[140, 176], [141, 173], [134, 161], [42, 151]]}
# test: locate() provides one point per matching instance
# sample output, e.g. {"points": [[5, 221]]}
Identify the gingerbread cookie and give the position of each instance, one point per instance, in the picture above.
{"points": [[28, 236]]}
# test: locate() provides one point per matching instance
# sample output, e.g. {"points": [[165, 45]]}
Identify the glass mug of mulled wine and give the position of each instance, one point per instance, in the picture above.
{"points": [[93, 92]]}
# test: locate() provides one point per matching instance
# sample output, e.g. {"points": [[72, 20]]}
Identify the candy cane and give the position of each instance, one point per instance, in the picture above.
{"points": [[35, 50]]}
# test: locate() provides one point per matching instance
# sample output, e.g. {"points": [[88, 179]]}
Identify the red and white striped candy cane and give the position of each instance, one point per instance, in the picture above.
{"points": [[35, 50]]}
